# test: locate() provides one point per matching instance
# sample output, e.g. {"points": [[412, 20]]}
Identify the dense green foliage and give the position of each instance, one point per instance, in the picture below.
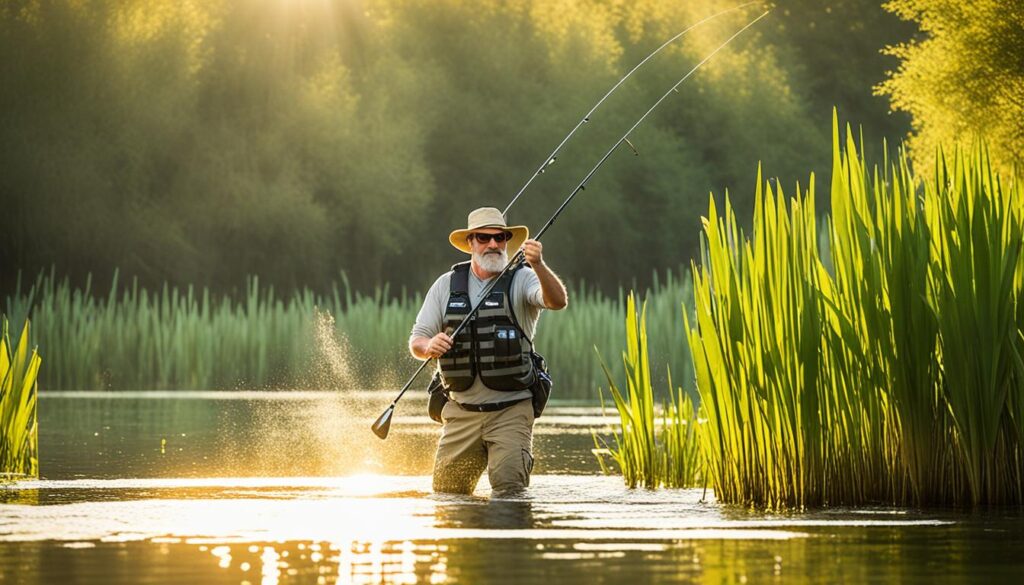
{"points": [[898, 376], [169, 338], [832, 53], [644, 453], [199, 141], [19, 431], [964, 79]]}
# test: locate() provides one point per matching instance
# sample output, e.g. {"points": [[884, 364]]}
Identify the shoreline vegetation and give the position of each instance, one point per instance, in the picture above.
{"points": [[884, 368], [133, 338], [896, 375]]}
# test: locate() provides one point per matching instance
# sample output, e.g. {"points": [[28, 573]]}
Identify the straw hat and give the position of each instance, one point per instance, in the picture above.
{"points": [[488, 217]]}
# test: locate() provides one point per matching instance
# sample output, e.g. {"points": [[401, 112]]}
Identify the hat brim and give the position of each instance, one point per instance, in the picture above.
{"points": [[520, 233]]}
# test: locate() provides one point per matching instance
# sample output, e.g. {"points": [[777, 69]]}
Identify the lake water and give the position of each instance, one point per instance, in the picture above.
{"points": [[293, 488]]}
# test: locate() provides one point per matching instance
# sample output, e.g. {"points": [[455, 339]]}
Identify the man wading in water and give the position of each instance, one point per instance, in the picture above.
{"points": [[488, 421]]}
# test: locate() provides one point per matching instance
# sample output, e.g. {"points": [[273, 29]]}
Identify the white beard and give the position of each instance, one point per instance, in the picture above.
{"points": [[491, 262]]}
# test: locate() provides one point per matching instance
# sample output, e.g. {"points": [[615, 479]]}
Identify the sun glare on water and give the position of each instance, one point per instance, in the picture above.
{"points": [[373, 528], [337, 563], [357, 538]]}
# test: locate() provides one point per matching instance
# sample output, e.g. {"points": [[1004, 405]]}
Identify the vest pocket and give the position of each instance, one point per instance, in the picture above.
{"points": [[506, 346]]}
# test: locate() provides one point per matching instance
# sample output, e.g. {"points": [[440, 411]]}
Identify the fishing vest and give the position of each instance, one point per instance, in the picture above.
{"points": [[492, 345]]}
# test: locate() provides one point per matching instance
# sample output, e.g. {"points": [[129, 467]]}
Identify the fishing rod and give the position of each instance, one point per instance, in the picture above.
{"points": [[382, 426], [383, 423]]}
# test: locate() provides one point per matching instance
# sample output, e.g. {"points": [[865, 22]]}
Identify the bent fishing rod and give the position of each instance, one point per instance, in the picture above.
{"points": [[382, 426], [383, 423]]}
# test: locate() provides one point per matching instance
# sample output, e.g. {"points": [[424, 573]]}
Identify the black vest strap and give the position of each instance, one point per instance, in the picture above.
{"points": [[460, 279], [458, 284]]}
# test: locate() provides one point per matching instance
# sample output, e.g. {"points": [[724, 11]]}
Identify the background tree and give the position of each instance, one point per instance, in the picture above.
{"points": [[201, 141], [964, 79]]}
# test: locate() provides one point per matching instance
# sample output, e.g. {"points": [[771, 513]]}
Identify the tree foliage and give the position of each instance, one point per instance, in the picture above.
{"points": [[205, 140], [964, 79]]}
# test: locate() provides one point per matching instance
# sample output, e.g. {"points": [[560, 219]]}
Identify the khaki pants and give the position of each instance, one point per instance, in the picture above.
{"points": [[501, 442]]}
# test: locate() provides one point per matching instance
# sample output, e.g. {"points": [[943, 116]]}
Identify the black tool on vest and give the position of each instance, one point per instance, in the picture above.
{"points": [[382, 426]]}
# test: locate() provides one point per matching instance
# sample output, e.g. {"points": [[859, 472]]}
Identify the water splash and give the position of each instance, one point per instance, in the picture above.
{"points": [[333, 365]]}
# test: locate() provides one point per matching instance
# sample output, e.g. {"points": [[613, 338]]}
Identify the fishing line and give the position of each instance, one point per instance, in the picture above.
{"points": [[382, 425], [586, 117], [625, 137]]}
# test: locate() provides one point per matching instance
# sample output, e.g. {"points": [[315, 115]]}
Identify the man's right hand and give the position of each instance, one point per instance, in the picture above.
{"points": [[438, 345]]}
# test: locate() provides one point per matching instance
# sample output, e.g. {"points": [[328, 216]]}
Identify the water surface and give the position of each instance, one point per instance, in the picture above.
{"points": [[253, 488]]}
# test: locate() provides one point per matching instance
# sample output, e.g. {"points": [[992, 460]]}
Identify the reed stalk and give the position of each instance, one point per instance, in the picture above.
{"points": [[19, 437], [644, 454]]}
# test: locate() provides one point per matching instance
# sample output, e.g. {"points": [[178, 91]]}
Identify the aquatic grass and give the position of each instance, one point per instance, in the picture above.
{"points": [[133, 338], [129, 337], [593, 319], [756, 352], [976, 287], [19, 431], [644, 454], [880, 246], [680, 454], [889, 372]]}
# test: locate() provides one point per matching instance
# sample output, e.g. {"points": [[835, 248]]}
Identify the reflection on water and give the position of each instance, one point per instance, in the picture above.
{"points": [[359, 563], [390, 529], [219, 504]]}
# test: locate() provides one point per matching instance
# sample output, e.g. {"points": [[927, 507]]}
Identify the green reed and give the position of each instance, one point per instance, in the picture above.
{"points": [[19, 436], [646, 455], [139, 339], [890, 371]]}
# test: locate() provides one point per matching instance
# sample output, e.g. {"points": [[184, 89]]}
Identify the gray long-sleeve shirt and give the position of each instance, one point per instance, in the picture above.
{"points": [[527, 303]]}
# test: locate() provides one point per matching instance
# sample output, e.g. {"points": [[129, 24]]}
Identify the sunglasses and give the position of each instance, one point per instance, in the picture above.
{"points": [[500, 237]]}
